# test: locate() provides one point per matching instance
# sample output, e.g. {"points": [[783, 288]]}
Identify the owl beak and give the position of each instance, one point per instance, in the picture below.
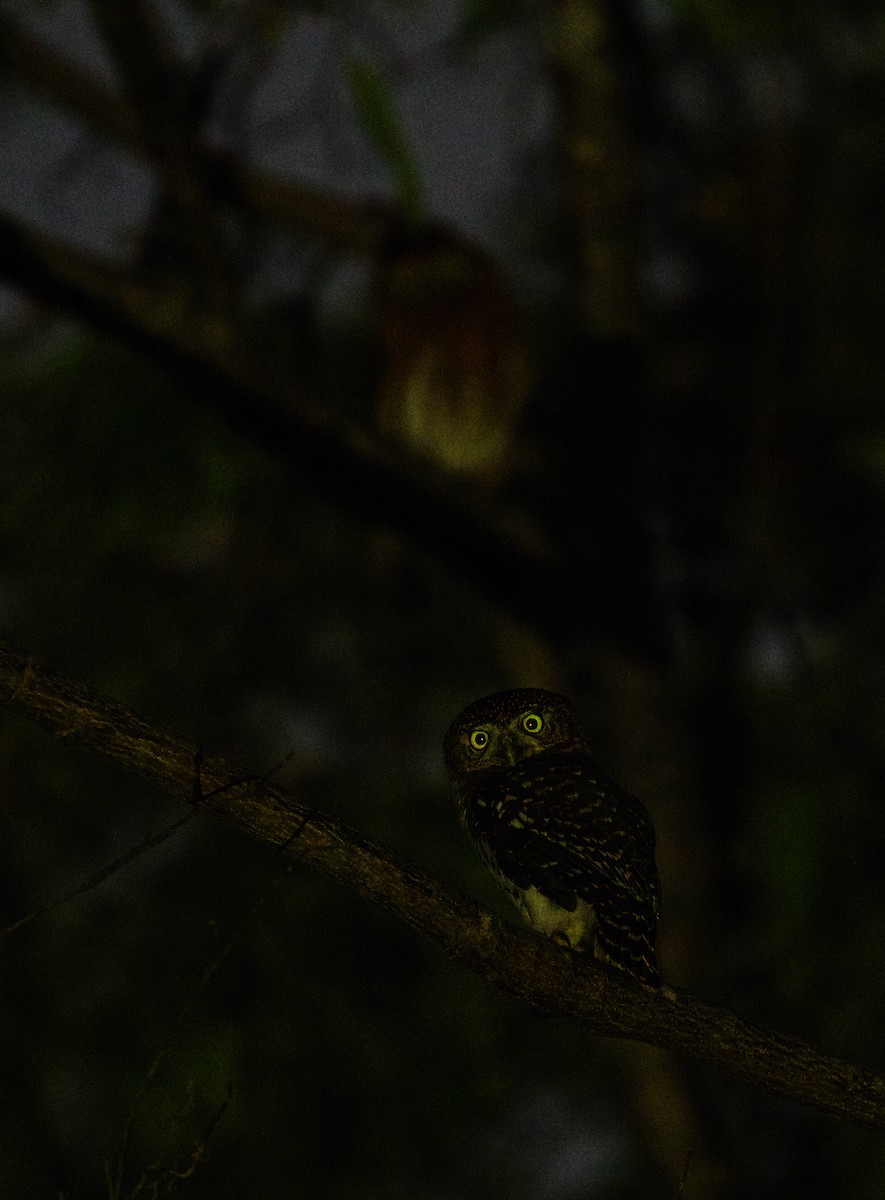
{"points": [[507, 750]]}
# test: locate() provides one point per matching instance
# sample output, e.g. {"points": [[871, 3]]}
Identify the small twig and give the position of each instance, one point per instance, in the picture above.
{"points": [[511, 959], [681, 1188], [149, 843], [172, 1031]]}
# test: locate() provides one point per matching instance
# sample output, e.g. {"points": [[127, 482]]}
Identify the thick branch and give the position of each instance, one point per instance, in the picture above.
{"points": [[525, 966]]}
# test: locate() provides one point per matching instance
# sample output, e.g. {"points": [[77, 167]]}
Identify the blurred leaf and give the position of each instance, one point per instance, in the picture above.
{"points": [[382, 126]]}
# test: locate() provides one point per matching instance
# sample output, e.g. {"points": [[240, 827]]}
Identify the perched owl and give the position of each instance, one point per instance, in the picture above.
{"points": [[573, 850]]}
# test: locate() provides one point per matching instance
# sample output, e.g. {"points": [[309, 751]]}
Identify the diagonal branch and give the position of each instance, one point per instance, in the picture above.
{"points": [[523, 965], [76, 90]]}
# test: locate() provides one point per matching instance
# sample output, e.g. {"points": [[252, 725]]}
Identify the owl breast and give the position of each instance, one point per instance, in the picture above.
{"points": [[567, 918], [574, 927], [574, 853]]}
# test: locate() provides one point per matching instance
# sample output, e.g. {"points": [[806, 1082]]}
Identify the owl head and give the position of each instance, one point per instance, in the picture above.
{"points": [[497, 731]]}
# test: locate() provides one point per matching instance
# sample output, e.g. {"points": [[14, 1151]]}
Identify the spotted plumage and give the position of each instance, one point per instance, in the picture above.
{"points": [[572, 849]]}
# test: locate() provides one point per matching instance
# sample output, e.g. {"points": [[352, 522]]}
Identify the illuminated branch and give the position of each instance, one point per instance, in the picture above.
{"points": [[528, 967]]}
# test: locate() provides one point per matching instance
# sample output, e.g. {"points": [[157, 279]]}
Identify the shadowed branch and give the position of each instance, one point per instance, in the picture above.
{"points": [[517, 962]]}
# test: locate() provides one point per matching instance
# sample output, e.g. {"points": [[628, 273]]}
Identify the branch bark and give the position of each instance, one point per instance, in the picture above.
{"points": [[525, 966]]}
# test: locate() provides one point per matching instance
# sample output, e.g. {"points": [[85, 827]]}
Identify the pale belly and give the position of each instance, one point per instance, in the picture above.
{"points": [[575, 928]]}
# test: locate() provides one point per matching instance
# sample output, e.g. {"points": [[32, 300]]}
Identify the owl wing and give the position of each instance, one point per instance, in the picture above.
{"points": [[557, 823], [558, 819]]}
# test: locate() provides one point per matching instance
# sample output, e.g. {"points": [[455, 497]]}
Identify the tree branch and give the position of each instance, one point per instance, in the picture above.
{"points": [[519, 963]]}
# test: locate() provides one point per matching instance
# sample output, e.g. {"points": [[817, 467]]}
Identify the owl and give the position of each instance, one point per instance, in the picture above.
{"points": [[573, 851]]}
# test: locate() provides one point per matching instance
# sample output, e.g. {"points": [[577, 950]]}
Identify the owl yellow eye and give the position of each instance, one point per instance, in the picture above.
{"points": [[533, 723], [479, 739]]}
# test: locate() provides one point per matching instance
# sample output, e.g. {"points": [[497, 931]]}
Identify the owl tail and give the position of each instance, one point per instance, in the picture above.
{"points": [[625, 938]]}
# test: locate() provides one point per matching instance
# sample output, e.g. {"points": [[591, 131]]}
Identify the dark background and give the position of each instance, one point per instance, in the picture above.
{"points": [[546, 350]]}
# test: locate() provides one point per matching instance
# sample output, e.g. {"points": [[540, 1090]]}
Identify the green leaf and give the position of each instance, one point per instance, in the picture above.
{"points": [[382, 126]]}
